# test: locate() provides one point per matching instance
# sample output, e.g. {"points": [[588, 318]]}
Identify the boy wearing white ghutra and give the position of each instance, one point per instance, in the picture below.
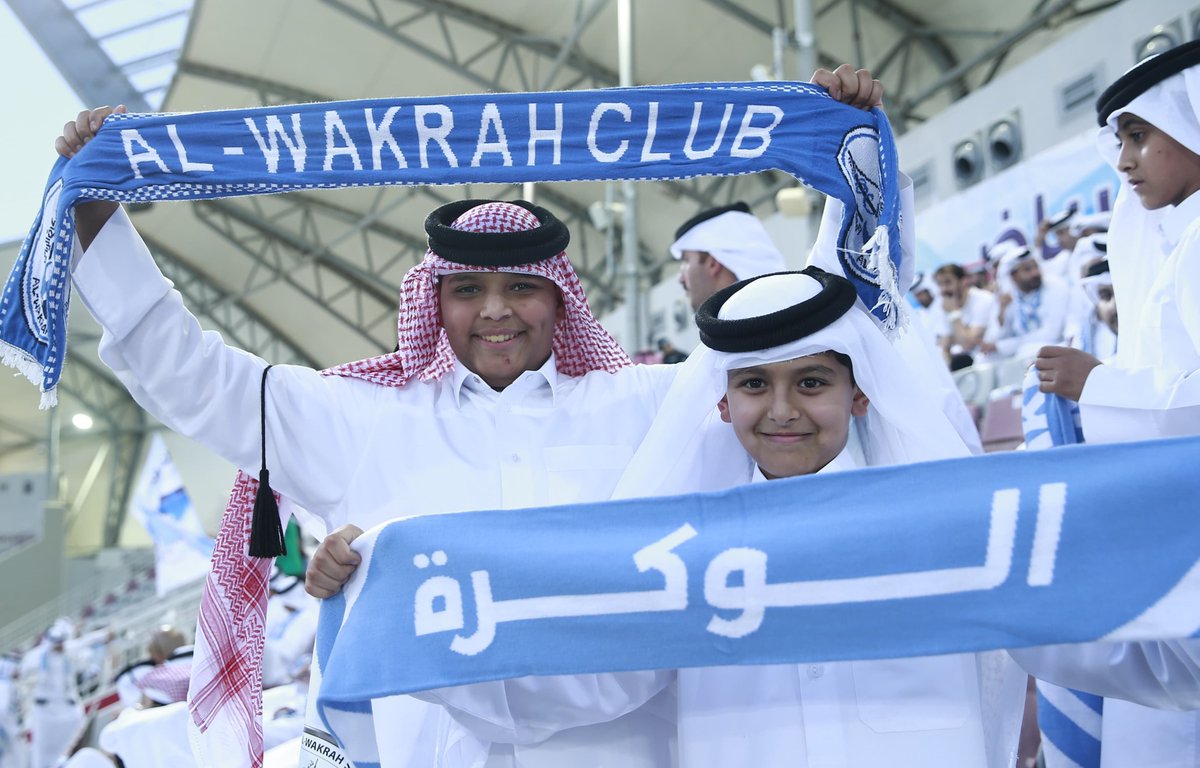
{"points": [[810, 385], [1150, 134]]}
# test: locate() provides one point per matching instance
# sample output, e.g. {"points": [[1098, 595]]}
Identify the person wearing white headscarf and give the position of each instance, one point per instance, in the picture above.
{"points": [[924, 290], [719, 246], [1150, 133], [1032, 308], [924, 293], [11, 746], [1069, 227], [89, 757], [291, 629], [1094, 328], [961, 317], [56, 714], [1086, 224], [961, 710], [1081, 309], [1153, 388]]}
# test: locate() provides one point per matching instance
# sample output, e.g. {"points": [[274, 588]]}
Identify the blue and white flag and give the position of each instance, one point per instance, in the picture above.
{"points": [[1070, 720], [1047, 420], [182, 550], [1019, 549], [645, 133]]}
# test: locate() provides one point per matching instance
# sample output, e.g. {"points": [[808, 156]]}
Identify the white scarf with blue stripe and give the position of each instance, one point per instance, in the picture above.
{"points": [[1070, 720]]}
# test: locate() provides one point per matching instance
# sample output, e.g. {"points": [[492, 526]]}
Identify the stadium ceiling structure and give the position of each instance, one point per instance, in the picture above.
{"points": [[313, 278]]}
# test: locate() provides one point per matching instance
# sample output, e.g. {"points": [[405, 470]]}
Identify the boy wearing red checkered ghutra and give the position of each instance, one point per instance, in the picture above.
{"points": [[504, 391]]}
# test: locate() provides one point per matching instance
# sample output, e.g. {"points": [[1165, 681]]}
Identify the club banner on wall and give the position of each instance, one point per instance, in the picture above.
{"points": [[1009, 205]]}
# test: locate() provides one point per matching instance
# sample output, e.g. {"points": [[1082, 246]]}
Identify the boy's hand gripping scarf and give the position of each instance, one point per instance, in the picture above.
{"points": [[1047, 420], [226, 690], [650, 133]]}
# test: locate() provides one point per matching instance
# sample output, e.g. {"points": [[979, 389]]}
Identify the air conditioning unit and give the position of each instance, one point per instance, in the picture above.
{"points": [[967, 162], [1164, 37], [1004, 142]]}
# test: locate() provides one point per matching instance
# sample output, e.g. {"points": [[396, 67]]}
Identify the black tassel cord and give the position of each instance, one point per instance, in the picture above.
{"points": [[266, 530]]}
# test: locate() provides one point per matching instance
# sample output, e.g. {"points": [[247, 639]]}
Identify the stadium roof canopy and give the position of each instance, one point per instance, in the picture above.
{"points": [[313, 278]]}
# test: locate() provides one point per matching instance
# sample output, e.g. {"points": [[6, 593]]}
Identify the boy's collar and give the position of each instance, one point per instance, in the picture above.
{"points": [[1175, 220], [850, 458], [462, 377]]}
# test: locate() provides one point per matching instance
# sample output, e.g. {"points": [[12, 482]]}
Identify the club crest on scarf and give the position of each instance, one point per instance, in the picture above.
{"points": [[863, 243], [36, 280]]}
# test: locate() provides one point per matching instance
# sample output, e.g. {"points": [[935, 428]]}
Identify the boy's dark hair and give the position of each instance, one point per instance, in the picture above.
{"points": [[846, 361], [951, 269]]}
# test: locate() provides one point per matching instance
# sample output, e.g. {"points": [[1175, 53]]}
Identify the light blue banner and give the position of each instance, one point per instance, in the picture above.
{"points": [[1007, 550]]}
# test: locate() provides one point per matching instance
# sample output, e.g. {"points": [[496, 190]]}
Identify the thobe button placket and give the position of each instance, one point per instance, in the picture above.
{"points": [[824, 728]]}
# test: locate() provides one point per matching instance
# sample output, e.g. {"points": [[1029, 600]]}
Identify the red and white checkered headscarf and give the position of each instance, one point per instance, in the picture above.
{"points": [[225, 697], [167, 683]]}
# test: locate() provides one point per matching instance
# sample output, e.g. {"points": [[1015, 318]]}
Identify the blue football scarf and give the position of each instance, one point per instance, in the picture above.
{"points": [[1070, 720], [1047, 420], [1007, 550], [644, 133]]}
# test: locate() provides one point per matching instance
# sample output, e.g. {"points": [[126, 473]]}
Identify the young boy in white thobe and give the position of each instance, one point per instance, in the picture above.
{"points": [[811, 385], [1150, 133]]}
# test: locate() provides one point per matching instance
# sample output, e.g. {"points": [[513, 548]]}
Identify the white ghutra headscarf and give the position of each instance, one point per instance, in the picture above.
{"points": [[1134, 245], [690, 449]]}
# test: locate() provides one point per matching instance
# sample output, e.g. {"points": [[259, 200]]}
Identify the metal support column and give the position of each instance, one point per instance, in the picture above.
{"points": [[53, 486], [633, 319], [806, 40]]}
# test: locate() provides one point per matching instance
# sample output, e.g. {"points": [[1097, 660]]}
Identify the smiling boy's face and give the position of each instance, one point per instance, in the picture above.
{"points": [[793, 417], [1159, 169], [500, 324]]}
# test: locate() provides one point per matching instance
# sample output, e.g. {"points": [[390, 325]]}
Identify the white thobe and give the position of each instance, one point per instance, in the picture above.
{"points": [[1152, 391], [10, 726], [150, 738], [286, 644], [56, 715], [1164, 674], [976, 313], [961, 710], [1012, 340], [352, 451]]}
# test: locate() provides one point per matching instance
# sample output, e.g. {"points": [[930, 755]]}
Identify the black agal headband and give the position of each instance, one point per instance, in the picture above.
{"points": [[1099, 268], [711, 213], [1143, 76], [836, 297], [495, 249]]}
